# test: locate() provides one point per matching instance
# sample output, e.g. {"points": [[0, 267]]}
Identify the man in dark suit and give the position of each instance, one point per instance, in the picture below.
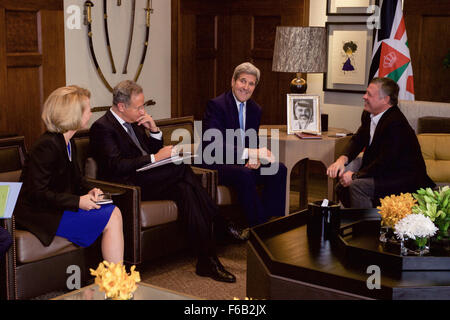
{"points": [[392, 161], [239, 165], [120, 145]]}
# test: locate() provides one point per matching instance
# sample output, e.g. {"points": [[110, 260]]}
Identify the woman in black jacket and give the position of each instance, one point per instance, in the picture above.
{"points": [[53, 200]]}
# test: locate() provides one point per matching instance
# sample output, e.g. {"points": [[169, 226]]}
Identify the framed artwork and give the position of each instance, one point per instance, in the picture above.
{"points": [[303, 113], [351, 7], [349, 47]]}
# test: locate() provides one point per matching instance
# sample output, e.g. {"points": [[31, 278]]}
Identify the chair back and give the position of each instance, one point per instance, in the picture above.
{"points": [[177, 130], [12, 158], [87, 164]]}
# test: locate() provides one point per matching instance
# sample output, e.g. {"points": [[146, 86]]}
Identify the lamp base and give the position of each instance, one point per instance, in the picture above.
{"points": [[298, 85]]}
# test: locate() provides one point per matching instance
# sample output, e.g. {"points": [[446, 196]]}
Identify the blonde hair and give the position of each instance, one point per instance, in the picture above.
{"points": [[63, 108]]}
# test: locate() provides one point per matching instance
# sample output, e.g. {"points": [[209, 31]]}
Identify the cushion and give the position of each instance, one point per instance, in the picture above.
{"points": [[154, 213], [30, 248], [10, 176], [434, 125], [436, 152], [226, 196]]}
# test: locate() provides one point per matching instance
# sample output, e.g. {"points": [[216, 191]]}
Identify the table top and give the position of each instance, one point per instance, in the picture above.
{"points": [[284, 247], [143, 292]]}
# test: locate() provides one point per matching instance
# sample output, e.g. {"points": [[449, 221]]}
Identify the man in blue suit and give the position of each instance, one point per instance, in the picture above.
{"points": [[235, 111]]}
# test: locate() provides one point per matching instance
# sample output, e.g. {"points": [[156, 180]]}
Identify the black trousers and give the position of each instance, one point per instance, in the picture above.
{"points": [[196, 209]]}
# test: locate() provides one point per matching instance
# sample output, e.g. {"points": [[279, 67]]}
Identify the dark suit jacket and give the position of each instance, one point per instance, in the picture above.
{"points": [[117, 156], [394, 158], [51, 184], [222, 113]]}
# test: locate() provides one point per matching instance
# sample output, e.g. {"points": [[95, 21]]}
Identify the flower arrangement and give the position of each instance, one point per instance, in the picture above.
{"points": [[394, 208], [415, 226], [435, 205], [114, 280]]}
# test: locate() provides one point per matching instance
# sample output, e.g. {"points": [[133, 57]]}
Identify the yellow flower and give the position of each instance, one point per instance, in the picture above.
{"points": [[394, 208], [114, 281]]}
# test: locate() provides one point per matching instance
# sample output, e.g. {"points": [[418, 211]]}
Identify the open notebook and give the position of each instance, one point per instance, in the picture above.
{"points": [[173, 159]]}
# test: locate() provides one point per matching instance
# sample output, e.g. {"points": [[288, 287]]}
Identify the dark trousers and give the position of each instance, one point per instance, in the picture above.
{"points": [[258, 208], [196, 209], [5, 241]]}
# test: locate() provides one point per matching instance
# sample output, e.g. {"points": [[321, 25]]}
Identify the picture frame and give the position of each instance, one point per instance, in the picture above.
{"points": [[351, 7], [349, 47], [308, 108]]}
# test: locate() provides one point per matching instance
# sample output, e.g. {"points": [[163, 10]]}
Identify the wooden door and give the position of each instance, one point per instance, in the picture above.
{"points": [[428, 31], [32, 62], [210, 38]]}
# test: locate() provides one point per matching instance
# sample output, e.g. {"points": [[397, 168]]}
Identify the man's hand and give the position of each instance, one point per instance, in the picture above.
{"points": [[147, 121], [263, 154], [337, 166], [163, 153], [253, 164], [346, 179]]}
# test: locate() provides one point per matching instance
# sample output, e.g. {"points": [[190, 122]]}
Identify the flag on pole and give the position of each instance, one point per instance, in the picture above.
{"points": [[390, 57]]}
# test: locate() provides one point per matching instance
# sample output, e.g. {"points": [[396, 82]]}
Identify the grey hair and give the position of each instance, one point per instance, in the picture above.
{"points": [[123, 92], [388, 88], [246, 67]]}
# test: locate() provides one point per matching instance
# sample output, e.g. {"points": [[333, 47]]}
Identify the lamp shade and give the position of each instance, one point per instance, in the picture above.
{"points": [[300, 49]]}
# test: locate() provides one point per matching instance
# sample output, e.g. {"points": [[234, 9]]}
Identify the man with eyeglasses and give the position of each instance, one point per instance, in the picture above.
{"points": [[120, 145]]}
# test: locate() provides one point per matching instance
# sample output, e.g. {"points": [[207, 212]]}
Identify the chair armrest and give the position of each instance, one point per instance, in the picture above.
{"points": [[128, 199], [208, 180]]}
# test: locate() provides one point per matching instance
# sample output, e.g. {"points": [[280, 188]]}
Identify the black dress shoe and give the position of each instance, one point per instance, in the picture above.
{"points": [[238, 233], [211, 267]]}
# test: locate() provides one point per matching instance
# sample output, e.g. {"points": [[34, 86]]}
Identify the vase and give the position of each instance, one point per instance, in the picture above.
{"points": [[440, 244], [415, 247], [386, 234], [116, 298]]}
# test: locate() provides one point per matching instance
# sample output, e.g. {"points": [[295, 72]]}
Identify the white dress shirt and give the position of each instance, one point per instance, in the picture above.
{"points": [[373, 124], [245, 153]]}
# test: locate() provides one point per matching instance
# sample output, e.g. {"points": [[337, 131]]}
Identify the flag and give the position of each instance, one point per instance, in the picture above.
{"points": [[390, 57]]}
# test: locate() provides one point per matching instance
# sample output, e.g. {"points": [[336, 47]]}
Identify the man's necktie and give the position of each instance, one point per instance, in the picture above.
{"points": [[133, 137], [241, 121]]}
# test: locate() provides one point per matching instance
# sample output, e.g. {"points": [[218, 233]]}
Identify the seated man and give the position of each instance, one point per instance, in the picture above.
{"points": [[120, 145], [235, 111], [392, 161]]}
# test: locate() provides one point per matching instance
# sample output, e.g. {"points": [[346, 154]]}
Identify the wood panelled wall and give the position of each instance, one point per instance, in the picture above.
{"points": [[428, 30], [32, 62], [210, 38]]}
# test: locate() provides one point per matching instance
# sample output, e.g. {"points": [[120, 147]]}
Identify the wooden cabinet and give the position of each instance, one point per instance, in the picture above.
{"points": [[32, 62]]}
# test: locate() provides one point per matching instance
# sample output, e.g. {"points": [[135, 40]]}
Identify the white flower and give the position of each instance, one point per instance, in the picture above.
{"points": [[415, 225]]}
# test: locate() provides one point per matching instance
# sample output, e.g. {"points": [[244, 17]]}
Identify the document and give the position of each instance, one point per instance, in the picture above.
{"points": [[9, 191], [174, 159]]}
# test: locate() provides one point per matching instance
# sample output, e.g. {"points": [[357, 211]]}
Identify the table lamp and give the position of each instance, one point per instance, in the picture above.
{"points": [[300, 49]]}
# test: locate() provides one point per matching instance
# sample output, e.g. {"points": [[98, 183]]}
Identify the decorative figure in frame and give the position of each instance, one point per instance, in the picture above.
{"points": [[303, 115], [349, 48]]}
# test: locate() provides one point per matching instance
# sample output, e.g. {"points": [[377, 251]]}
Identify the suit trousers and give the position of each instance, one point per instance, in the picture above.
{"points": [[258, 207], [5, 241], [196, 209]]}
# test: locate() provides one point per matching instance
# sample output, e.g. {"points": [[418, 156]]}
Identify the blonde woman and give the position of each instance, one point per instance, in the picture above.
{"points": [[52, 200]]}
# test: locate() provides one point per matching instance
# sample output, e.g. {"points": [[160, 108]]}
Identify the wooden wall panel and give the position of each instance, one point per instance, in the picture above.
{"points": [[211, 38], [428, 30], [32, 62]]}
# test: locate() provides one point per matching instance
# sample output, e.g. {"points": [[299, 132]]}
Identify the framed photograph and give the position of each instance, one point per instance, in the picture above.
{"points": [[303, 113], [351, 7], [349, 47]]}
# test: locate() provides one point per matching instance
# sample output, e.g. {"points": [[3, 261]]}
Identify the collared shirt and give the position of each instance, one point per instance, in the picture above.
{"points": [[373, 124], [153, 135], [245, 153]]}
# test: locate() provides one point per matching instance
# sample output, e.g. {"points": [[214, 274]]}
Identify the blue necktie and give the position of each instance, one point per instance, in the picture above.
{"points": [[133, 137], [241, 121]]}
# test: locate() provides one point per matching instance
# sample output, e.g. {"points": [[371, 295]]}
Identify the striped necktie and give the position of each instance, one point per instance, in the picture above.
{"points": [[133, 137]]}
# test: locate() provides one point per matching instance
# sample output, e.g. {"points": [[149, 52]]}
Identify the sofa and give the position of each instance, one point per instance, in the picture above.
{"points": [[431, 122]]}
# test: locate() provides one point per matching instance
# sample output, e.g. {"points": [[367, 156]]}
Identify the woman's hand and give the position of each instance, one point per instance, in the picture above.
{"points": [[87, 202]]}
